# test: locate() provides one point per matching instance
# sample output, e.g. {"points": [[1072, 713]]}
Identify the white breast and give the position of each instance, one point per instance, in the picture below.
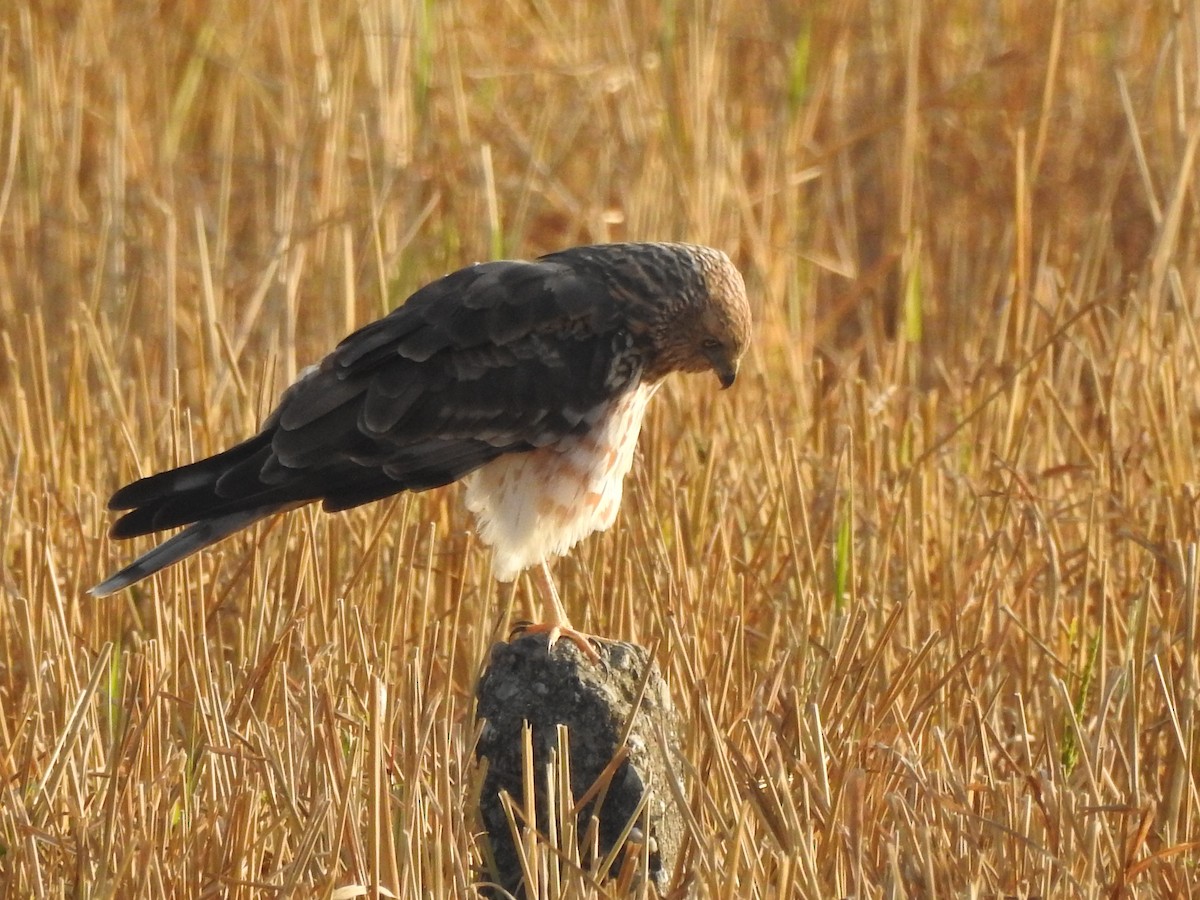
{"points": [[532, 506]]}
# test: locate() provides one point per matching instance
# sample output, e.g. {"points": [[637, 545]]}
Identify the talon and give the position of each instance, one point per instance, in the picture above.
{"points": [[518, 627], [560, 630]]}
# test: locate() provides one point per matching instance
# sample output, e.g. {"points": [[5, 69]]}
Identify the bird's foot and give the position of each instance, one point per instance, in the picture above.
{"points": [[563, 630]]}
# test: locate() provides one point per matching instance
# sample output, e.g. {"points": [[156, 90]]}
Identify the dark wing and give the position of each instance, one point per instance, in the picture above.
{"points": [[496, 358]]}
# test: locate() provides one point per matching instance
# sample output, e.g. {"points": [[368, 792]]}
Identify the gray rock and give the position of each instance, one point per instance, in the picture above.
{"points": [[524, 683]]}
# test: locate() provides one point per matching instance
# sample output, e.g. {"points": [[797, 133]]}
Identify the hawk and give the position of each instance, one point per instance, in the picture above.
{"points": [[527, 380]]}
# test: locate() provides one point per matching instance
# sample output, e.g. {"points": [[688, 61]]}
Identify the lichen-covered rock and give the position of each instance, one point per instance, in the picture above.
{"points": [[595, 701]]}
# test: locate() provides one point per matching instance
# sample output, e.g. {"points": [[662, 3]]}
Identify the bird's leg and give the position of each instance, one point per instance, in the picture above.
{"points": [[560, 625], [547, 585], [513, 588]]}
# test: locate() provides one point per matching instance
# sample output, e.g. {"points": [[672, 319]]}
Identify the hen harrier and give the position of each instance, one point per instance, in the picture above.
{"points": [[529, 379]]}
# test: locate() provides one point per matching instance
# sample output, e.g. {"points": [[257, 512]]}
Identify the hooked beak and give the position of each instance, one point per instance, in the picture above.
{"points": [[725, 368]]}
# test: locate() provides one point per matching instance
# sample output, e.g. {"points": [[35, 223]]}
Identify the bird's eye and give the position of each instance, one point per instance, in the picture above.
{"points": [[711, 344]]}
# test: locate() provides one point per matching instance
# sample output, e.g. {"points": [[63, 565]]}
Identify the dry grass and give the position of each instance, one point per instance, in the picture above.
{"points": [[926, 580]]}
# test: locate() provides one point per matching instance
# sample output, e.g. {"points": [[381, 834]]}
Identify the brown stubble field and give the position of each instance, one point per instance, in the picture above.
{"points": [[924, 583]]}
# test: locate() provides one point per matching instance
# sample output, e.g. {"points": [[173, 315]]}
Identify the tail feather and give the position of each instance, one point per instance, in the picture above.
{"points": [[190, 493], [214, 497], [193, 538], [198, 506], [199, 476]]}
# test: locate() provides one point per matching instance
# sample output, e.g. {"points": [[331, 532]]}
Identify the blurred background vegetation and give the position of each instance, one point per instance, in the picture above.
{"points": [[925, 581]]}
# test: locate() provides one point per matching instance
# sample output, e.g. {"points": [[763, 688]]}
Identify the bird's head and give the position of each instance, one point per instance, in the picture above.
{"points": [[710, 329]]}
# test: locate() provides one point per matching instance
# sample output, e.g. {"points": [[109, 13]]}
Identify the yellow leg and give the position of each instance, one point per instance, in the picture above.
{"points": [[559, 625], [546, 583]]}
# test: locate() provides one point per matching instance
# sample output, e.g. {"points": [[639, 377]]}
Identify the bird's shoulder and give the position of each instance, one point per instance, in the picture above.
{"points": [[506, 304], [506, 351]]}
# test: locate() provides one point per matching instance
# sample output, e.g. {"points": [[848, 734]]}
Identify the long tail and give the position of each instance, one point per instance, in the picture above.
{"points": [[194, 537], [214, 497]]}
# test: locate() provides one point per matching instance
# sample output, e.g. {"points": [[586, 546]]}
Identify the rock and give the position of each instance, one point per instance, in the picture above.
{"points": [[524, 683]]}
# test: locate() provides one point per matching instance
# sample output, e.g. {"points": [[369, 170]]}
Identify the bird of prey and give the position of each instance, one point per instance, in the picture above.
{"points": [[527, 379]]}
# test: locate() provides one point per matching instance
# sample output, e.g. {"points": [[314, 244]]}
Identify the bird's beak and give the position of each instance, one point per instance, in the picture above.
{"points": [[726, 370]]}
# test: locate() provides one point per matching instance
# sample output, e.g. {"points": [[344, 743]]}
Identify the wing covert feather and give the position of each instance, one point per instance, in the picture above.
{"points": [[499, 357]]}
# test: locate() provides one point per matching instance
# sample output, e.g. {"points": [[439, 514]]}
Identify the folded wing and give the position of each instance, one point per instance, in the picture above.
{"points": [[496, 358]]}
